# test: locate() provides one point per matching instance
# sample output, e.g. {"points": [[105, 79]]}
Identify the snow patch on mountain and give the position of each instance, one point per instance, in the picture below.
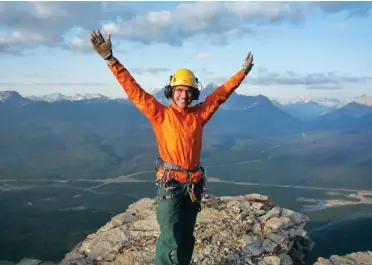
{"points": [[54, 97], [327, 102]]}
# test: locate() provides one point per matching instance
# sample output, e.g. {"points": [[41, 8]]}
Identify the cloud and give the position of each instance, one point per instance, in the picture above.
{"points": [[6, 48], [34, 24], [216, 20], [329, 80], [150, 70], [263, 12], [291, 78], [324, 87], [352, 8], [159, 18], [342, 25], [202, 56], [206, 72], [29, 25], [50, 84], [261, 70]]}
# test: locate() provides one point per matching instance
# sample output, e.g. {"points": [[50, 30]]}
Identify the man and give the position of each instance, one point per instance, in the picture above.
{"points": [[178, 129]]}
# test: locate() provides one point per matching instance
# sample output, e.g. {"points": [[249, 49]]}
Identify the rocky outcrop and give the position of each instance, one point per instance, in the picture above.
{"points": [[358, 258], [230, 230]]}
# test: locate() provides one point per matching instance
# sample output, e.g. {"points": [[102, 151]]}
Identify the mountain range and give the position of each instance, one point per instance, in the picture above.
{"points": [[310, 106], [240, 113], [97, 136], [307, 109]]}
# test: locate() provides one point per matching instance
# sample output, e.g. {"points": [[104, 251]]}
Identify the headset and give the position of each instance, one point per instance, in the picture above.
{"points": [[168, 90]]}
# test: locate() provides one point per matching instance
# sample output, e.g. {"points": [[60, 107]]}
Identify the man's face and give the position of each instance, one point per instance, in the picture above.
{"points": [[182, 96]]}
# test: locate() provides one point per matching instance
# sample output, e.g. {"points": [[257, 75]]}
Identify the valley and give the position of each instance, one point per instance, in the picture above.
{"points": [[346, 196], [66, 167]]}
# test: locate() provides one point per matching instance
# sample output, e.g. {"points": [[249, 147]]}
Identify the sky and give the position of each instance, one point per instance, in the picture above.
{"points": [[310, 49]]}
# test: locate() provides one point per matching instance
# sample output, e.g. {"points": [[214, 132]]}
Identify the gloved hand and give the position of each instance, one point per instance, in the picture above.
{"points": [[248, 63], [102, 47]]}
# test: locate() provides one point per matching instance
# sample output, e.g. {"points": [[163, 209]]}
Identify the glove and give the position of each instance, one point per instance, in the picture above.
{"points": [[102, 47], [248, 63]]}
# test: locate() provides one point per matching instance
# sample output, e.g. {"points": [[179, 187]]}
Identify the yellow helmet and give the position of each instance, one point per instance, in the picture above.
{"points": [[184, 77]]}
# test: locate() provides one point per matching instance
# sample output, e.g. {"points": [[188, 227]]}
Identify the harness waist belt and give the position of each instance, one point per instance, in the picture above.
{"points": [[160, 163]]}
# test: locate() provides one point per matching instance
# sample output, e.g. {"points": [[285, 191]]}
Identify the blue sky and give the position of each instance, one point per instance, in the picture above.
{"points": [[313, 49]]}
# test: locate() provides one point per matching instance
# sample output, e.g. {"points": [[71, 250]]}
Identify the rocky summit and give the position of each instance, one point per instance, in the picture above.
{"points": [[229, 230]]}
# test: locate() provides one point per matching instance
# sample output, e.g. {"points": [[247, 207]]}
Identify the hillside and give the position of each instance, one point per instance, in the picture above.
{"points": [[99, 138], [348, 117], [306, 111], [103, 138], [256, 117]]}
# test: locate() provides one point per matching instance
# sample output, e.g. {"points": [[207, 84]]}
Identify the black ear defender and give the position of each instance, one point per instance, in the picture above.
{"points": [[195, 91], [168, 89]]}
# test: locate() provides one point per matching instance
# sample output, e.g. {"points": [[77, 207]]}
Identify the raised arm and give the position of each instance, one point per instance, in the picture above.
{"points": [[143, 100], [213, 101]]}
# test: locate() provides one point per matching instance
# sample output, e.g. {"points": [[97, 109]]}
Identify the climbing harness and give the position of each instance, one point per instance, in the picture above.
{"points": [[160, 163], [166, 177]]}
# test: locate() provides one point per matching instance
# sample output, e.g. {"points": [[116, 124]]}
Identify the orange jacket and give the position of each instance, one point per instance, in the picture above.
{"points": [[178, 131]]}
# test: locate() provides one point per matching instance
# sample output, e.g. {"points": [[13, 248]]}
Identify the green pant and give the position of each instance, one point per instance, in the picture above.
{"points": [[176, 217]]}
